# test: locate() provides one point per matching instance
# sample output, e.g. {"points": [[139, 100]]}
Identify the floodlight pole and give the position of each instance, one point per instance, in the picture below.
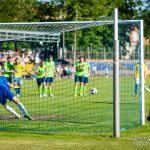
{"points": [[142, 98], [116, 88]]}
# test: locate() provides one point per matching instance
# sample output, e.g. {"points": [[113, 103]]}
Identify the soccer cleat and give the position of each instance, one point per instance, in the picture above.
{"points": [[18, 95], [41, 96], [51, 95], [28, 116], [45, 95]]}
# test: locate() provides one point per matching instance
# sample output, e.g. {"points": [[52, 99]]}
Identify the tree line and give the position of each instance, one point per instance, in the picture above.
{"points": [[81, 10]]}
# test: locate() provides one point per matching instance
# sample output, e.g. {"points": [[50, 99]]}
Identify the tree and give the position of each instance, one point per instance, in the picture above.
{"points": [[18, 10]]}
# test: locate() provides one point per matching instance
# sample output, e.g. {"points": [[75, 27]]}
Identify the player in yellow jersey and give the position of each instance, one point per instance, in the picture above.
{"points": [[137, 76], [17, 70]]}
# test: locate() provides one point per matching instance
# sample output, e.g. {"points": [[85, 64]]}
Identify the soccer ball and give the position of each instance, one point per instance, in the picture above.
{"points": [[94, 91]]}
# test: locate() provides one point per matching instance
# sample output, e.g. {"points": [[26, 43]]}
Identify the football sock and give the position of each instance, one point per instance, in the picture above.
{"points": [[22, 108], [45, 89], [81, 89], [50, 89], [40, 89], [84, 89], [11, 110]]}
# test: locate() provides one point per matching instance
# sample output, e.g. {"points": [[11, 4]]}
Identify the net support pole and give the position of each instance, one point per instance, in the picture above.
{"points": [[116, 88], [75, 41], [142, 98], [63, 49]]}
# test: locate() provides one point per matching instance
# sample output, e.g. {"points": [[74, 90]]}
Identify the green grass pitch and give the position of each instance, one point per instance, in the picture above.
{"points": [[84, 122]]}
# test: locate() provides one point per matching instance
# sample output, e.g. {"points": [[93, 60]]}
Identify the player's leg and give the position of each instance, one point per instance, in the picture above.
{"points": [[40, 87], [76, 85], [11, 110], [17, 85], [46, 85], [50, 86], [85, 83], [21, 107], [81, 79], [136, 86]]}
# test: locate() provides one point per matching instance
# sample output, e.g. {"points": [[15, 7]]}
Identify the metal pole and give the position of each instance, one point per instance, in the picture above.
{"points": [[57, 50], [63, 50], [142, 98], [116, 89], [75, 41]]}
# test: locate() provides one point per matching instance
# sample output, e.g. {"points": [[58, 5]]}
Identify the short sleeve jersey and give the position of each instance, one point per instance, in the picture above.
{"points": [[41, 72], [18, 69], [80, 68], [87, 68], [7, 68], [50, 68]]}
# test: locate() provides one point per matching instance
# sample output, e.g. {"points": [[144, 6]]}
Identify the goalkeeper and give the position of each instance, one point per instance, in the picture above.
{"points": [[79, 76]]}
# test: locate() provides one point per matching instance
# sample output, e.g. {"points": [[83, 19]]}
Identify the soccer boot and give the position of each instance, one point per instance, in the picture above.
{"points": [[28, 116]]}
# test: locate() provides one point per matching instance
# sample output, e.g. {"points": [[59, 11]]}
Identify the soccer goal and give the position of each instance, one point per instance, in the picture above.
{"points": [[68, 80]]}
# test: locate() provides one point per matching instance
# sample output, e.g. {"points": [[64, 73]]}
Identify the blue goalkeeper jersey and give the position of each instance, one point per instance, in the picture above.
{"points": [[3, 80]]}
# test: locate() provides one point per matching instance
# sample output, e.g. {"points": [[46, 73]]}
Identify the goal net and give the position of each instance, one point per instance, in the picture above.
{"points": [[51, 98]]}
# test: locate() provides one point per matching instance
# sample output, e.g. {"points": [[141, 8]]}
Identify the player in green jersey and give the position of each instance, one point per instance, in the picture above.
{"points": [[50, 71], [86, 75], [79, 76], [40, 76], [8, 67]]}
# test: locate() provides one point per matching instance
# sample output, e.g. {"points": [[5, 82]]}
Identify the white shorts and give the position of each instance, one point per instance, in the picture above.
{"points": [[137, 81]]}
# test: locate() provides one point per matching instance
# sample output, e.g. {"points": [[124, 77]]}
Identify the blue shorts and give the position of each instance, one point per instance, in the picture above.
{"points": [[49, 79], [40, 81], [79, 78], [86, 80], [17, 80], [5, 94]]}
